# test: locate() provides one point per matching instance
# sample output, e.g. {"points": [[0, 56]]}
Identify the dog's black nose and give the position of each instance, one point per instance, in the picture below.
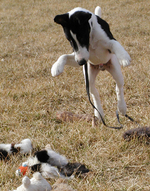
{"points": [[82, 62]]}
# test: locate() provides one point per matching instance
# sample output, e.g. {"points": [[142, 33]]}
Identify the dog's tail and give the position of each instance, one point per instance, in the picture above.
{"points": [[98, 11], [120, 52]]}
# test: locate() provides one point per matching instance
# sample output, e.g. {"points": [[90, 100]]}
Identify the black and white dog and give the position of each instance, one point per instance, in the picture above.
{"points": [[94, 44], [51, 164], [24, 147]]}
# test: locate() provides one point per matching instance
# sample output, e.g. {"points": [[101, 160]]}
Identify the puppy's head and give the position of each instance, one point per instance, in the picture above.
{"points": [[77, 30]]}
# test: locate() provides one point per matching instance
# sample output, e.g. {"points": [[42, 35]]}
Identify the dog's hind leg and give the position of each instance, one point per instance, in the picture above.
{"points": [[114, 69], [66, 59], [92, 73]]}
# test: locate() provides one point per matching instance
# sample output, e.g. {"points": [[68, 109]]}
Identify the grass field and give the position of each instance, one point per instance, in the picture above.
{"points": [[30, 42]]}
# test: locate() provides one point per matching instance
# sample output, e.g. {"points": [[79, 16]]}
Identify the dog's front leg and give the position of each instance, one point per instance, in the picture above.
{"points": [[122, 55], [92, 72], [115, 70], [66, 59]]}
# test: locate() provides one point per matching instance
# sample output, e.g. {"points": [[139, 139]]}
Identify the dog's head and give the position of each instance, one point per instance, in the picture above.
{"points": [[77, 29]]}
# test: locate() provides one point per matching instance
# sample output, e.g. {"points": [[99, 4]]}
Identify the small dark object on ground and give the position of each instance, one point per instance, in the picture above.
{"points": [[71, 117], [73, 168], [139, 133]]}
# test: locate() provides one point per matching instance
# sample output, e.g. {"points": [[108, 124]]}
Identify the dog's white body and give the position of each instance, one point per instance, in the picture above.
{"points": [[24, 147], [97, 55], [36, 183]]}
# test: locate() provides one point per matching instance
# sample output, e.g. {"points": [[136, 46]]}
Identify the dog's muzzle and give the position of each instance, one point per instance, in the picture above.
{"points": [[82, 62]]}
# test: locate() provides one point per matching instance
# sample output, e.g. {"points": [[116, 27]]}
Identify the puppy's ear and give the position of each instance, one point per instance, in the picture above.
{"points": [[62, 19]]}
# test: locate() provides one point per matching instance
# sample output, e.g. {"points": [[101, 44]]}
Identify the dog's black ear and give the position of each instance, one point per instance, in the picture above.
{"points": [[62, 19]]}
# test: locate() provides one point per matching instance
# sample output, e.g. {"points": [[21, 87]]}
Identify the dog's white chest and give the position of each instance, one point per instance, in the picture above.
{"points": [[99, 55]]}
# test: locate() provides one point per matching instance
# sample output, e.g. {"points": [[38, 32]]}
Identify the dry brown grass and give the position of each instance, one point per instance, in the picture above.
{"points": [[30, 42]]}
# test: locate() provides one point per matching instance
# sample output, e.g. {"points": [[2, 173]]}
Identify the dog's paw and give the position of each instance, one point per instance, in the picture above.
{"points": [[58, 66], [57, 69], [125, 59], [122, 55], [122, 107]]}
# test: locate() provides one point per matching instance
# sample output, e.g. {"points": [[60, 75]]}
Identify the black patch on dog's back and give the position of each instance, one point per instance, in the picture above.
{"points": [[4, 155], [36, 168], [105, 27], [42, 156], [13, 149]]}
